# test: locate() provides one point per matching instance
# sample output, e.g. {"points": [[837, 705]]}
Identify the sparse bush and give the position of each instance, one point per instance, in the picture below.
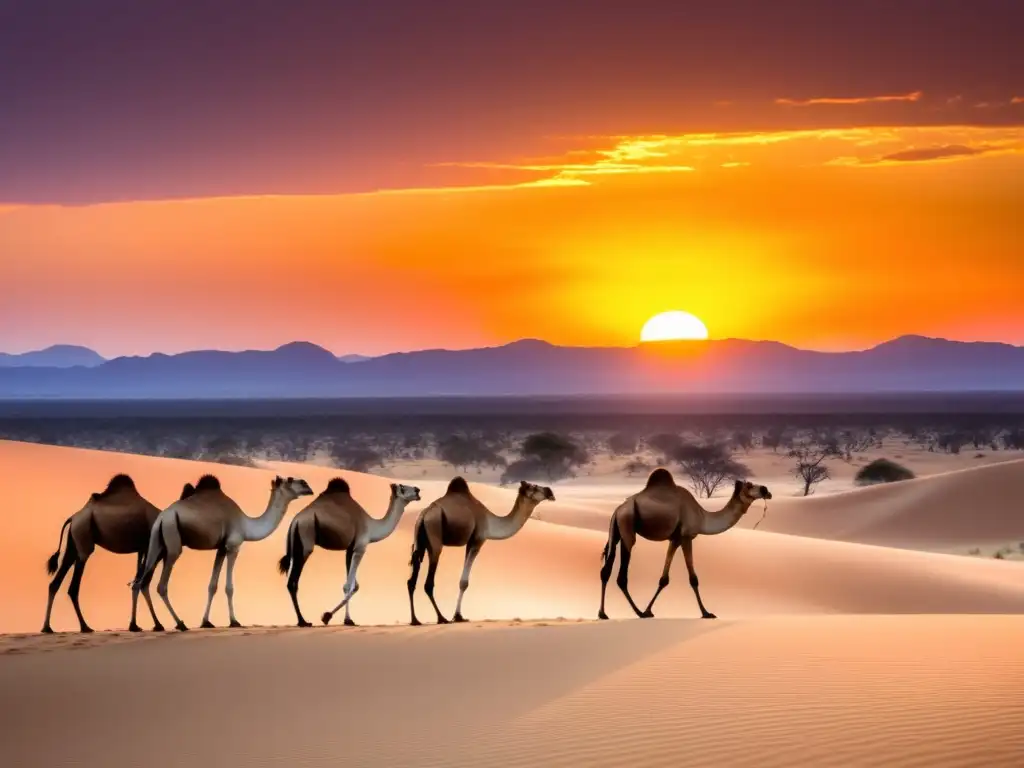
{"points": [[882, 471]]}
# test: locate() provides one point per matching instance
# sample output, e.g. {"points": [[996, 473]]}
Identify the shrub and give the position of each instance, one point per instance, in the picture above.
{"points": [[882, 471]]}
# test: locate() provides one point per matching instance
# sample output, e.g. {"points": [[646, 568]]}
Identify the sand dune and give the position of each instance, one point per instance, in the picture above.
{"points": [[822, 691], [547, 570], [980, 505], [776, 682]]}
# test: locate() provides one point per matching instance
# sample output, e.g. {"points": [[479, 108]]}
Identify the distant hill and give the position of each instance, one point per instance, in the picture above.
{"points": [[531, 367], [354, 358], [57, 356]]}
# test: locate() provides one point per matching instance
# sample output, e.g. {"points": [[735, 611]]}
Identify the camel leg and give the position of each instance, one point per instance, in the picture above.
{"points": [[76, 584], [663, 581], [626, 544], [218, 562], [70, 556], [133, 625], [141, 584], [157, 626], [609, 563], [355, 588], [349, 589], [688, 555], [428, 585], [417, 559], [172, 547], [472, 550], [299, 558], [229, 588]]}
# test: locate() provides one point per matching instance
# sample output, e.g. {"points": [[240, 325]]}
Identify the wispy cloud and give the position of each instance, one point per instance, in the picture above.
{"points": [[908, 97], [933, 153], [936, 153], [1017, 100], [708, 152]]}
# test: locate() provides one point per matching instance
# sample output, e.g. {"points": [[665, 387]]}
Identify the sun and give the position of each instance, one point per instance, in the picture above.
{"points": [[674, 325]]}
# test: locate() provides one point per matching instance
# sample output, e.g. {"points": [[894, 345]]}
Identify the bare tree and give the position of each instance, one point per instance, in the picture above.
{"points": [[708, 466], [810, 464]]}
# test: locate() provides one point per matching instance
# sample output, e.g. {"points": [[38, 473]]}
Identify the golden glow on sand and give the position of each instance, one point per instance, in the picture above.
{"points": [[676, 325]]}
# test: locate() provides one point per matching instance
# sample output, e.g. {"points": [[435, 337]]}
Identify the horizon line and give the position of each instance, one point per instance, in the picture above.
{"points": [[522, 340]]}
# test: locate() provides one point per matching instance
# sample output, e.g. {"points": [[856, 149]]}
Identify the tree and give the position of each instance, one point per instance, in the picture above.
{"points": [[743, 439], [355, 456], [775, 438], [464, 452], [546, 455], [810, 464], [708, 465], [622, 444], [1014, 440], [665, 445]]}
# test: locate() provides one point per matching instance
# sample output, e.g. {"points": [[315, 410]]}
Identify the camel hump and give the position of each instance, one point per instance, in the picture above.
{"points": [[337, 485], [207, 483], [660, 477], [187, 491], [458, 485], [117, 483]]}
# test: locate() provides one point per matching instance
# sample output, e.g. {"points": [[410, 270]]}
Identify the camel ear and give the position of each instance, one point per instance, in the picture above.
{"points": [[276, 482], [394, 489], [738, 487], [523, 484]]}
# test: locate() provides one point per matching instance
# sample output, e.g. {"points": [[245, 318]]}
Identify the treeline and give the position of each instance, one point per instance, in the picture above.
{"points": [[709, 457]]}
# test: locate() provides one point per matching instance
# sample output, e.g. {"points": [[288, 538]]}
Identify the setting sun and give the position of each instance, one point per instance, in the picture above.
{"points": [[676, 325]]}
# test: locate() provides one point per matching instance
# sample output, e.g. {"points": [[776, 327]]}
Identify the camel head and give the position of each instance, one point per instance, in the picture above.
{"points": [[748, 493], [290, 487], [406, 493], [536, 493]]}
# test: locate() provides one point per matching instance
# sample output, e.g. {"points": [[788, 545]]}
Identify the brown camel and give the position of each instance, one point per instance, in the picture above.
{"points": [[459, 519], [207, 518], [336, 521], [117, 519], [664, 511]]}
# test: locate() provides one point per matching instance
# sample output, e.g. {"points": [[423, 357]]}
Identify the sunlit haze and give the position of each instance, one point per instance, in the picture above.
{"points": [[828, 176]]}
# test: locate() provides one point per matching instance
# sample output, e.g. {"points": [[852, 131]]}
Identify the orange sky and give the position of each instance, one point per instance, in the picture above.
{"points": [[834, 238]]}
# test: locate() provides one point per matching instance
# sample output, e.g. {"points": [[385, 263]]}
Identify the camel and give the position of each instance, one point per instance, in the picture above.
{"points": [[207, 518], [664, 511], [118, 519], [336, 521], [459, 519]]}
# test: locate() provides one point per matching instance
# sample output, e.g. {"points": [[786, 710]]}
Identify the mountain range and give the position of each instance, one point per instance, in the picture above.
{"points": [[525, 367], [57, 356]]}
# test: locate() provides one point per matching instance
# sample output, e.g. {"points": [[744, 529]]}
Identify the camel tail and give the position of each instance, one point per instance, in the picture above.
{"points": [[613, 538], [419, 540], [156, 551], [54, 561], [285, 563]]}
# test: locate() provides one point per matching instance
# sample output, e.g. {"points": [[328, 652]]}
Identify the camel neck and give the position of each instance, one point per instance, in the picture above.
{"points": [[499, 527], [382, 528], [257, 528], [721, 521]]}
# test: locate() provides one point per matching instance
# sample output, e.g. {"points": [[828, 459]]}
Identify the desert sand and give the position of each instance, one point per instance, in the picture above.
{"points": [[841, 642]]}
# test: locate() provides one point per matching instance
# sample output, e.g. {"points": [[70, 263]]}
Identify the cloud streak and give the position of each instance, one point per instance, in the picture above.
{"points": [[905, 97]]}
